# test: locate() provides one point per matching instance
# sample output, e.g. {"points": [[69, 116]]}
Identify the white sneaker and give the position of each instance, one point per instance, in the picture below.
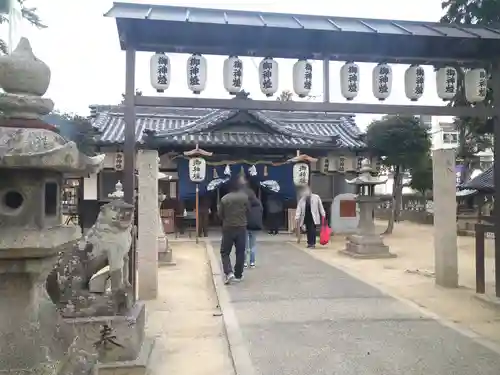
{"points": [[228, 278], [252, 265], [236, 279]]}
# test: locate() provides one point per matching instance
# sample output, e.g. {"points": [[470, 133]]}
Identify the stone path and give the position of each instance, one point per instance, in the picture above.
{"points": [[301, 316]]}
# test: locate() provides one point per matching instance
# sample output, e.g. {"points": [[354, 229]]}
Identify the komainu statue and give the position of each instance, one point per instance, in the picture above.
{"points": [[106, 245]]}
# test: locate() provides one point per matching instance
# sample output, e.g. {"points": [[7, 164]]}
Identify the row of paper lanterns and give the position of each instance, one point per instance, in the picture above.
{"points": [[382, 78]]}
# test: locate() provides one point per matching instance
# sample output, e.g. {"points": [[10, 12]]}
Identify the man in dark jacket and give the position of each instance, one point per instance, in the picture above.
{"points": [[253, 226], [274, 212], [233, 211]]}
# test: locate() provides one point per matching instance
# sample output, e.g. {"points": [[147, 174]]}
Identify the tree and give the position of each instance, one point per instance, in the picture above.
{"points": [[421, 176], [474, 134], [75, 127], [401, 143], [137, 93], [29, 14], [285, 96]]}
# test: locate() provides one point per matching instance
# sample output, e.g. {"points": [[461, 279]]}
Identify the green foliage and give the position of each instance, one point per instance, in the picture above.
{"points": [[474, 133], [285, 96], [29, 14], [421, 176], [398, 140]]}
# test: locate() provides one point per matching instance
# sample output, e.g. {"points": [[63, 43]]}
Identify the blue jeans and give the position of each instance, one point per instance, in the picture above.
{"points": [[251, 245]]}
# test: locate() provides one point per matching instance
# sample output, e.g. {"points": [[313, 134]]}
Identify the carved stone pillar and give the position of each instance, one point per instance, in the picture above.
{"points": [[147, 249]]}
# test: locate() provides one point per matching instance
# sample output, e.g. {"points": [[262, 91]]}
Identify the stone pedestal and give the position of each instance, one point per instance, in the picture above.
{"points": [[147, 245], [139, 366], [127, 332], [445, 227], [366, 243]]}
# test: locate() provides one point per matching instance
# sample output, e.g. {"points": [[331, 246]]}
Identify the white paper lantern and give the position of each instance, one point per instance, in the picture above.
{"points": [[196, 73], [447, 82], [476, 85], [197, 169], [159, 69], [349, 80], [414, 82], [268, 76], [233, 74], [119, 160], [301, 174], [227, 170], [302, 78], [382, 81]]}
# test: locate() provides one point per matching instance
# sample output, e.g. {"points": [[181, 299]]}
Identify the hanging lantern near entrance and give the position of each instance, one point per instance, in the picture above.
{"points": [[252, 171], [414, 82], [227, 170], [475, 85], [196, 73], [119, 160], [159, 69], [382, 81], [215, 174], [302, 78], [233, 74], [349, 80], [197, 169], [446, 82], [268, 76], [300, 174]]}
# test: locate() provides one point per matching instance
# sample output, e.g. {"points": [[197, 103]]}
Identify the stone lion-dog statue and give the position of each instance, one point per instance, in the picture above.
{"points": [[106, 244]]}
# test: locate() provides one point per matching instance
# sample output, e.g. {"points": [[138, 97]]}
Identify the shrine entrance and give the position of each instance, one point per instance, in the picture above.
{"points": [[226, 32]]}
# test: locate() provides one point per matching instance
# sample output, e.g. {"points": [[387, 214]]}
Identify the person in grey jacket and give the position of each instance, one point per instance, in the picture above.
{"points": [[310, 212], [233, 211]]}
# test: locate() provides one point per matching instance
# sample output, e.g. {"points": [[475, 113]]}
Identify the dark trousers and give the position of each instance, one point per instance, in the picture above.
{"points": [[236, 236], [203, 224], [274, 222], [311, 233]]}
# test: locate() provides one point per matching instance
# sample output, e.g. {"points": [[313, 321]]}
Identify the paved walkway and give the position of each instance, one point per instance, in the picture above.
{"points": [[299, 315], [190, 335]]}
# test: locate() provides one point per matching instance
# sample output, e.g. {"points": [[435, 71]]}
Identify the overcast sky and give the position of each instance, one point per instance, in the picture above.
{"points": [[81, 47]]}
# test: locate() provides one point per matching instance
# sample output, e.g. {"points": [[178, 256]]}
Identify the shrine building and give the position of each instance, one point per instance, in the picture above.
{"points": [[239, 140]]}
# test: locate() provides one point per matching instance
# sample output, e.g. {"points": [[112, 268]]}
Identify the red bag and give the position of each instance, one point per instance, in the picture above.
{"points": [[325, 232]]}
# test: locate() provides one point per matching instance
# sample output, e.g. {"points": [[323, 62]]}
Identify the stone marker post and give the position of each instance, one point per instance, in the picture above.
{"points": [[147, 246], [445, 213]]}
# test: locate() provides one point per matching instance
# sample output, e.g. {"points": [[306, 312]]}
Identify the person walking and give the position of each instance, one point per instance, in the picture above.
{"points": [[274, 207], [233, 211], [204, 215], [310, 212], [254, 225]]}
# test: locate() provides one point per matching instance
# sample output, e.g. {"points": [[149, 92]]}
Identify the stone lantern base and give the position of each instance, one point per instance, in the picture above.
{"points": [[369, 246]]}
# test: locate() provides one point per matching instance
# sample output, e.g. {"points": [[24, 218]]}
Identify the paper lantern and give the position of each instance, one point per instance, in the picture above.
{"points": [[196, 73], [349, 80], [302, 78], [159, 69], [119, 160], [300, 174], [475, 85], [197, 169], [446, 82], [341, 165], [233, 74], [382, 81], [414, 82], [268, 76], [227, 170]]}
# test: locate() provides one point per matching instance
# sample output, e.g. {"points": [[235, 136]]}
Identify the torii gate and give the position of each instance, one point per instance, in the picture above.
{"points": [[143, 27]]}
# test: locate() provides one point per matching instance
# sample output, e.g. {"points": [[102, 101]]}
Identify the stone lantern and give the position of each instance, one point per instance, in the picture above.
{"points": [[366, 243], [165, 256], [33, 158]]}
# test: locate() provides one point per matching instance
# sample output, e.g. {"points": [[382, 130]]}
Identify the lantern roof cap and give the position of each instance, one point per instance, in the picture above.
{"points": [[366, 176], [37, 148]]}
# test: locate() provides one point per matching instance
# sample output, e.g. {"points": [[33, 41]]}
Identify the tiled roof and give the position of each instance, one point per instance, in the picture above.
{"points": [[482, 183], [185, 126]]}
